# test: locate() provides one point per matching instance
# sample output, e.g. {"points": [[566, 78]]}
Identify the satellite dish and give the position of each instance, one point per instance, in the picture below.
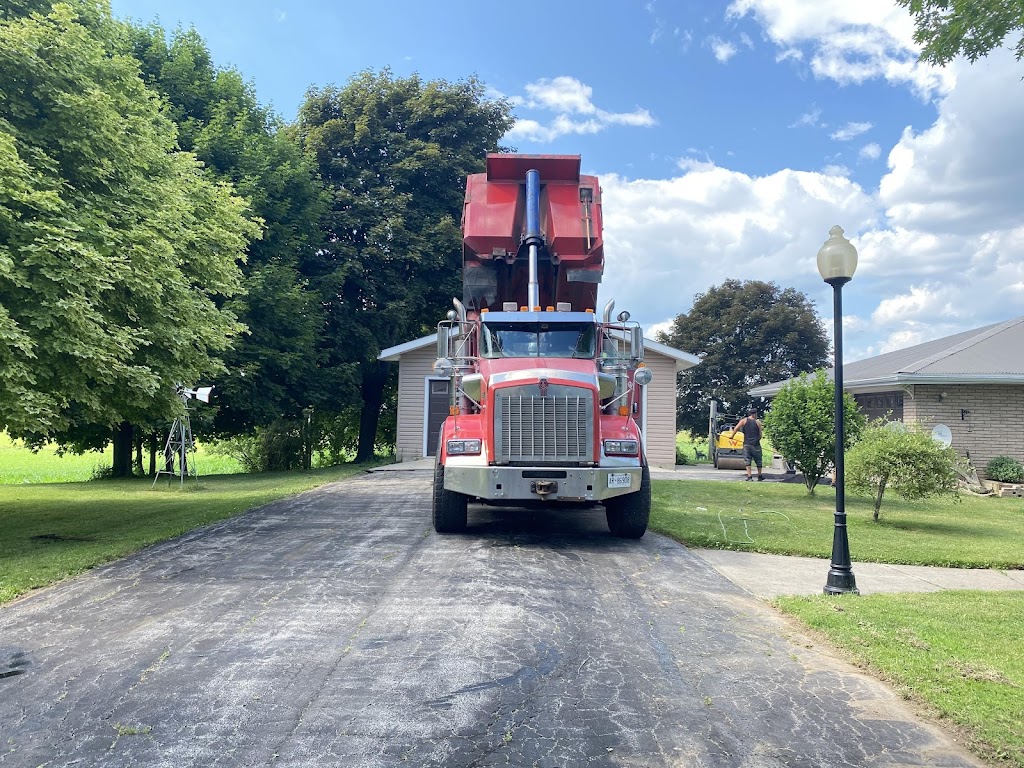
{"points": [[942, 434]]}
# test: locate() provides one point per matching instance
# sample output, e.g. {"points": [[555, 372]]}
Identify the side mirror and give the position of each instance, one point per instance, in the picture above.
{"points": [[637, 350], [442, 342], [643, 376]]}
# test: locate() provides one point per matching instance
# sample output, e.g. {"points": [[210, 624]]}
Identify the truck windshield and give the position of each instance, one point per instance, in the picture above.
{"points": [[538, 340]]}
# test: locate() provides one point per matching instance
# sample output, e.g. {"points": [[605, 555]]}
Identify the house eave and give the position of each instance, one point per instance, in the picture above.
{"points": [[883, 383]]}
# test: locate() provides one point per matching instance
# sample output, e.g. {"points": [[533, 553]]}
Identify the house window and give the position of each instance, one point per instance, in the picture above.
{"points": [[881, 404]]}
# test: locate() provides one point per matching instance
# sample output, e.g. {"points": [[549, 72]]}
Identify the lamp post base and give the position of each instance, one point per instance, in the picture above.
{"points": [[841, 582]]}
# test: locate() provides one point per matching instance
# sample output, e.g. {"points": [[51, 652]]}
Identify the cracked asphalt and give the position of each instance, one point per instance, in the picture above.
{"points": [[337, 629]]}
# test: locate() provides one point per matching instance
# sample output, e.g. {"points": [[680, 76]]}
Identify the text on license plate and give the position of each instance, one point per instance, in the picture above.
{"points": [[619, 480]]}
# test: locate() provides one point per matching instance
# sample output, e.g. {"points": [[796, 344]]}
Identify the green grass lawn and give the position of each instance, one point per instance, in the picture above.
{"points": [[53, 531], [960, 654], [20, 465], [781, 518]]}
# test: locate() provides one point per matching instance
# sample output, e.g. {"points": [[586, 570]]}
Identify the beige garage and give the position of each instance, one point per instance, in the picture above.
{"points": [[419, 387]]}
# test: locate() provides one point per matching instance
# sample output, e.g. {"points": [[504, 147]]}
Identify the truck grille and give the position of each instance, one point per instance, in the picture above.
{"points": [[535, 429]]}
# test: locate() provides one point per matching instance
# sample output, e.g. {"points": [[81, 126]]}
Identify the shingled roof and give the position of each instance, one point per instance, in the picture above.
{"points": [[993, 354]]}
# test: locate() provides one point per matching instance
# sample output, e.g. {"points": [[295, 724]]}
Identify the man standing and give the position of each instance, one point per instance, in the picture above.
{"points": [[752, 430]]}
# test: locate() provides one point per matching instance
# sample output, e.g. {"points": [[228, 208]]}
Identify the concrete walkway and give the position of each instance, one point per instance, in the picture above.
{"points": [[773, 575], [769, 576]]}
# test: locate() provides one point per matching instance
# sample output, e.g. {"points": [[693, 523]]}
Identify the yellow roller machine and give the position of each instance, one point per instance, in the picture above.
{"points": [[726, 452]]}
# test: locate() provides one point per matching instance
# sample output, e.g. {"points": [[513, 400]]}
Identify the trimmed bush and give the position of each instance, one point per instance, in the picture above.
{"points": [[801, 425], [904, 458], [1004, 469]]}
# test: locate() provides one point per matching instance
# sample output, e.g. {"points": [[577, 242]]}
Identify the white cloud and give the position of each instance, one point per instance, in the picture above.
{"points": [[575, 111], [652, 331], [870, 151], [566, 94], [811, 118], [673, 238], [921, 302], [835, 169], [723, 49], [963, 174], [848, 42], [851, 130]]}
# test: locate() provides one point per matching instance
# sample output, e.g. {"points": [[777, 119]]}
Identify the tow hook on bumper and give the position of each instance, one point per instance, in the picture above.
{"points": [[544, 487]]}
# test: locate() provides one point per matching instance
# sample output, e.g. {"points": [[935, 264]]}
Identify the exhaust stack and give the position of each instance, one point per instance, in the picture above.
{"points": [[533, 238]]}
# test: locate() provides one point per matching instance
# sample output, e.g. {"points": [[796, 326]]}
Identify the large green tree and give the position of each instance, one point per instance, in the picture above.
{"points": [[394, 153], [972, 28], [273, 369], [117, 252], [747, 333]]}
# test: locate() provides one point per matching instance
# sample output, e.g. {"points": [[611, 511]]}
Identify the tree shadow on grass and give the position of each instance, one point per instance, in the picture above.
{"points": [[945, 528]]}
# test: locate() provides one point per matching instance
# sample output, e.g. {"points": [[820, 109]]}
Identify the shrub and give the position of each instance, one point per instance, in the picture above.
{"points": [[1004, 469], [801, 425], [682, 455], [908, 460]]}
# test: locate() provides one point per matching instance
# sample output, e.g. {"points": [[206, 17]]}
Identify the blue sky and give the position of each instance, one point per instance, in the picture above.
{"points": [[729, 136]]}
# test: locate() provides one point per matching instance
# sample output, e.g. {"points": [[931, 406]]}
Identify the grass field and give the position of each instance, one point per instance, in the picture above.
{"points": [[781, 518], [19, 465], [958, 654]]}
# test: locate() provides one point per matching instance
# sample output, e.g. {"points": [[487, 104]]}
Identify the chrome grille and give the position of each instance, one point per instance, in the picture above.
{"points": [[536, 429]]}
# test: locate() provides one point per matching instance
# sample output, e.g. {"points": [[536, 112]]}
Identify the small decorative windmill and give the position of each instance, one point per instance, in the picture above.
{"points": [[181, 446]]}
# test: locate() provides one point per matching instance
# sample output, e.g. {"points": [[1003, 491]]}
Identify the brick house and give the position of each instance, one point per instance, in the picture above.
{"points": [[423, 399], [971, 382]]}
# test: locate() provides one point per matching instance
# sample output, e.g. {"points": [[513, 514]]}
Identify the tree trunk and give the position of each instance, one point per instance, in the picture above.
{"points": [[375, 377], [154, 446], [307, 432], [123, 450], [139, 440], [878, 498]]}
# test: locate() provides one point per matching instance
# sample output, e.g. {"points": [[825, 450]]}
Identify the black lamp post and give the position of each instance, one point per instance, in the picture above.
{"points": [[837, 261]]}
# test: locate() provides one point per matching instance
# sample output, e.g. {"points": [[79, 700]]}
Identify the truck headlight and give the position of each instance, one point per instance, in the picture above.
{"points": [[463, 447], [621, 447]]}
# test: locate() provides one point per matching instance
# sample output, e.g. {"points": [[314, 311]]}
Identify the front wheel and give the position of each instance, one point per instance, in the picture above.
{"points": [[628, 515], [449, 507]]}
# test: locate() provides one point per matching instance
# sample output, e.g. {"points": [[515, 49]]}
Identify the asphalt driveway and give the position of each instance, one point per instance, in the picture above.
{"points": [[336, 629]]}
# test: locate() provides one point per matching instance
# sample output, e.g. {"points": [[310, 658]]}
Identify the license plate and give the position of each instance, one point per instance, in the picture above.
{"points": [[620, 480]]}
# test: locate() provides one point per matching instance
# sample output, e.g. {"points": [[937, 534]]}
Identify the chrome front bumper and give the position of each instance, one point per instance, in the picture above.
{"points": [[540, 483]]}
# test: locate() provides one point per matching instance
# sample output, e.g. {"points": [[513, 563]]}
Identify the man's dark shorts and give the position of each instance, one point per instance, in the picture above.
{"points": [[752, 453]]}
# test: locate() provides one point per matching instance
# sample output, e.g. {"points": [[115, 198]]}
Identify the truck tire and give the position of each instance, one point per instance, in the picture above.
{"points": [[628, 515], [449, 507]]}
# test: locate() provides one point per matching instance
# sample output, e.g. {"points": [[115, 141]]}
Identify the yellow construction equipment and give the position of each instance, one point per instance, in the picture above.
{"points": [[726, 452]]}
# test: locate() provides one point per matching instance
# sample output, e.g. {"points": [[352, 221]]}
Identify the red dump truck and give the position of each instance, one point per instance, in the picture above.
{"points": [[545, 404]]}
